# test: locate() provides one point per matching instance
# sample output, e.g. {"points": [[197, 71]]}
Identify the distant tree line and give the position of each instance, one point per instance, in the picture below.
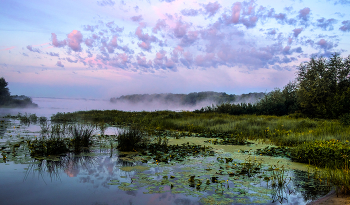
{"points": [[321, 89], [8, 100], [190, 99]]}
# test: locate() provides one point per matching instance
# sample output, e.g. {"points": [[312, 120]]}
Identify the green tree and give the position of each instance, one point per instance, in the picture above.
{"points": [[324, 86], [4, 92]]}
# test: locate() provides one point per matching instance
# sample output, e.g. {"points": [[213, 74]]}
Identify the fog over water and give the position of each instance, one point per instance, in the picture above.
{"points": [[50, 106]]}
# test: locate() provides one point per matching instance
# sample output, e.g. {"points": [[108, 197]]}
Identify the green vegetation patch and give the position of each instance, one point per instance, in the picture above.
{"points": [[331, 153]]}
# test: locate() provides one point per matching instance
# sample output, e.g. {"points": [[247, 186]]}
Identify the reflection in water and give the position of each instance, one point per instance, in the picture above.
{"points": [[70, 164]]}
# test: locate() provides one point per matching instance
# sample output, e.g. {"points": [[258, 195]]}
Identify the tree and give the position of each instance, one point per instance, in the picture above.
{"points": [[4, 91], [324, 86]]}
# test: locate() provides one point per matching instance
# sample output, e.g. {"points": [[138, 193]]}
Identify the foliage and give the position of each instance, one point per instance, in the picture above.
{"points": [[276, 102], [4, 91], [13, 101], [345, 119], [331, 154], [324, 86]]}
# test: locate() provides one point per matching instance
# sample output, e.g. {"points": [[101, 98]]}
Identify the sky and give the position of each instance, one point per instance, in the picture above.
{"points": [[108, 48]]}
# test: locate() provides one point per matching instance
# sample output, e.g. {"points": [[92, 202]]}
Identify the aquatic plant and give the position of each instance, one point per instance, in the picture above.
{"points": [[43, 146], [33, 118], [329, 153], [24, 119], [81, 136], [42, 120], [131, 139], [61, 138]]}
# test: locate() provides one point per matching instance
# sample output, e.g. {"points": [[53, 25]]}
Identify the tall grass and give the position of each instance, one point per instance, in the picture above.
{"points": [[288, 130], [81, 136], [311, 140], [56, 139], [132, 139]]}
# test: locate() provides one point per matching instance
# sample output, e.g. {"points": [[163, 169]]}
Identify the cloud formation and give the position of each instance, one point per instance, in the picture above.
{"points": [[29, 47], [59, 63], [326, 25], [56, 42], [106, 3], [75, 38], [346, 26], [212, 8], [193, 35]]}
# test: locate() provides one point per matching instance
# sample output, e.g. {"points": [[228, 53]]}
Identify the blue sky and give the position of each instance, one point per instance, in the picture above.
{"points": [[108, 48]]}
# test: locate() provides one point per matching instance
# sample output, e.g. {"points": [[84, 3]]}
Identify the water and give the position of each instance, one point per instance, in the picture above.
{"points": [[103, 176], [50, 106]]}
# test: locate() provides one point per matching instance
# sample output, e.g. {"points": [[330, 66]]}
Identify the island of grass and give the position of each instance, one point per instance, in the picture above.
{"points": [[13, 101]]}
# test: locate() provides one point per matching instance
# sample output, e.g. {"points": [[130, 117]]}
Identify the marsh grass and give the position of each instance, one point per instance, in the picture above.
{"points": [[132, 139], [310, 139], [81, 136], [44, 146], [57, 139]]}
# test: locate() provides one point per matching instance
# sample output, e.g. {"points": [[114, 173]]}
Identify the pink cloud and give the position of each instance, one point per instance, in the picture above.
{"points": [[142, 61], [206, 60], [144, 45], [114, 42], [180, 29], [175, 54], [188, 56], [119, 61], [159, 26], [147, 39], [297, 31], [137, 18], [236, 12], [29, 47], [304, 13], [56, 42], [169, 63], [6, 49], [74, 40], [59, 63], [89, 42], [250, 22], [212, 8]]}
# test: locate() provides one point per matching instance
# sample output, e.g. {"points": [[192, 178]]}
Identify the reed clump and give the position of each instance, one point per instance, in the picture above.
{"points": [[58, 139], [132, 139]]}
